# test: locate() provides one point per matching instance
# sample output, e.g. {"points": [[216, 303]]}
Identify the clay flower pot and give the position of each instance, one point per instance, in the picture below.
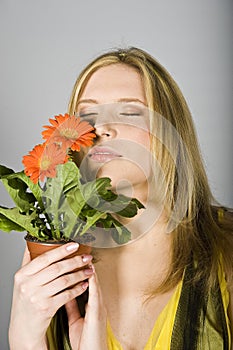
{"points": [[37, 248]]}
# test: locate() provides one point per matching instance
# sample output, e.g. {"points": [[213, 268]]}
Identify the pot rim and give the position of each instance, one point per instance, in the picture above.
{"points": [[35, 240]]}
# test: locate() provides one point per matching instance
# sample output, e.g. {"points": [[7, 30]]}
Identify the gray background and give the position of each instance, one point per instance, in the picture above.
{"points": [[44, 44]]}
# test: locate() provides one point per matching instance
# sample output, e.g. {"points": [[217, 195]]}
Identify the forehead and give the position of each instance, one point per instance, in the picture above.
{"points": [[114, 82]]}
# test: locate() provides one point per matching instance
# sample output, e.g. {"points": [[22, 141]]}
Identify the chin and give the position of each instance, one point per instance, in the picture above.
{"points": [[131, 186], [124, 175]]}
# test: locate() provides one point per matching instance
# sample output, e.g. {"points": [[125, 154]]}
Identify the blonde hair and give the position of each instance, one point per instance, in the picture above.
{"points": [[187, 194]]}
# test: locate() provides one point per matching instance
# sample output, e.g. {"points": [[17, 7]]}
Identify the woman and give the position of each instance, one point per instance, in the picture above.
{"points": [[171, 287]]}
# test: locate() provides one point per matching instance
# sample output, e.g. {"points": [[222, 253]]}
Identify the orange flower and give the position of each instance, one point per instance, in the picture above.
{"points": [[69, 132], [41, 162]]}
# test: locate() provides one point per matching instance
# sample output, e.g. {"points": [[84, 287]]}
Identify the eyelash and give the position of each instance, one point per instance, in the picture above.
{"points": [[83, 115], [131, 114]]}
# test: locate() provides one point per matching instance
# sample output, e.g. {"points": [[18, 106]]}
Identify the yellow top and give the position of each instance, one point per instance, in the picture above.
{"points": [[214, 330], [161, 334]]}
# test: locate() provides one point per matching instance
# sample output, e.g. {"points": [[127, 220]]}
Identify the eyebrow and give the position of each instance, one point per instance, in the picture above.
{"points": [[92, 101], [88, 100]]}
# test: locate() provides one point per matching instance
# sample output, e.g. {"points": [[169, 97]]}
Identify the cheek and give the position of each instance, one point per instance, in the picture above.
{"points": [[136, 150], [144, 139], [140, 137]]}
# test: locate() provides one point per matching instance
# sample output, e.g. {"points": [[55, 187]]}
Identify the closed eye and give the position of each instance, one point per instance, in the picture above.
{"points": [[84, 115], [89, 117], [131, 114]]}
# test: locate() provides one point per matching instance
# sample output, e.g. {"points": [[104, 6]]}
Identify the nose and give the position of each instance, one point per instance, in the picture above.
{"points": [[105, 130]]}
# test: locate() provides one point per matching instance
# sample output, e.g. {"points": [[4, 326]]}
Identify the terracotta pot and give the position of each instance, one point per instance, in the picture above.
{"points": [[37, 248]]}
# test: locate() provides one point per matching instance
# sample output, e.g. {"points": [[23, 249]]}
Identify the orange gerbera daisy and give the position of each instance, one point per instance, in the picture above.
{"points": [[69, 132], [41, 162]]}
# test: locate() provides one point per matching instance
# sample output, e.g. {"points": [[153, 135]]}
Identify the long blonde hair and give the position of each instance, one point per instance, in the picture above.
{"points": [[198, 233]]}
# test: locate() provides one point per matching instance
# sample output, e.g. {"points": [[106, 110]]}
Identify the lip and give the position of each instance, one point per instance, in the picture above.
{"points": [[101, 154]]}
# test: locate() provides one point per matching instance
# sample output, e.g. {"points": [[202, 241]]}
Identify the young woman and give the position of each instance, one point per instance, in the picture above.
{"points": [[172, 286]]}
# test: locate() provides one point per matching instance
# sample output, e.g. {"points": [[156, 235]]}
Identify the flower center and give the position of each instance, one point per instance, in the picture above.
{"points": [[69, 133], [45, 163]]}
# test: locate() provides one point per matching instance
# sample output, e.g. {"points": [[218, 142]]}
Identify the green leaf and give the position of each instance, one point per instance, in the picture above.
{"points": [[5, 171], [70, 207], [34, 188], [120, 234], [76, 200], [128, 208], [8, 225], [69, 174], [95, 190], [91, 221], [21, 189], [55, 202], [11, 216]]}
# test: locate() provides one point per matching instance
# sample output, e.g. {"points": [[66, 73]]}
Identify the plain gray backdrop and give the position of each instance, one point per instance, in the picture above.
{"points": [[45, 44]]}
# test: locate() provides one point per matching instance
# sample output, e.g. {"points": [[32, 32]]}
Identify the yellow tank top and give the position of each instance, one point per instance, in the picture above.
{"points": [[215, 330], [161, 335]]}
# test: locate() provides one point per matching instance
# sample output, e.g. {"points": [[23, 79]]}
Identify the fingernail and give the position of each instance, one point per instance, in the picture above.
{"points": [[88, 271], [84, 285], [87, 258], [72, 246]]}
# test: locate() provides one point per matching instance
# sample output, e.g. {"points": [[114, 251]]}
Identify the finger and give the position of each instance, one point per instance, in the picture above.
{"points": [[26, 257], [46, 259], [64, 268], [95, 296], [72, 311], [75, 322], [95, 318], [69, 294], [66, 281]]}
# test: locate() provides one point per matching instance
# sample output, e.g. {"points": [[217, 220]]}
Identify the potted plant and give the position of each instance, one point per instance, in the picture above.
{"points": [[53, 204]]}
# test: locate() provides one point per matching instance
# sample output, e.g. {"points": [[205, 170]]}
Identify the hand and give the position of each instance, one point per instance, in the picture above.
{"points": [[90, 332], [41, 287]]}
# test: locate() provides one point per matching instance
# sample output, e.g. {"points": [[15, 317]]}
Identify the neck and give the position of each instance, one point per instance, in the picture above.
{"points": [[136, 268]]}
